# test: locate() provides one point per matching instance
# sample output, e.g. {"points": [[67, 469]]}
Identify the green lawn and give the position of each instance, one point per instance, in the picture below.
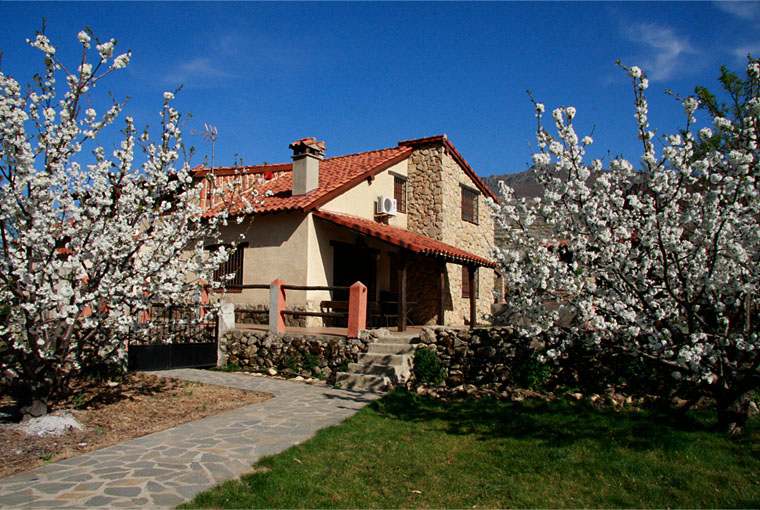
{"points": [[406, 451]]}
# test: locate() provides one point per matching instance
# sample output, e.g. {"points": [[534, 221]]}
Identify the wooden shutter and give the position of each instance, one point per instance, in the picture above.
{"points": [[469, 205]]}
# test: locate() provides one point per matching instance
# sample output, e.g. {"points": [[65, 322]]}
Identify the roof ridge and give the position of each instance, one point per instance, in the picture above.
{"points": [[365, 152], [263, 167]]}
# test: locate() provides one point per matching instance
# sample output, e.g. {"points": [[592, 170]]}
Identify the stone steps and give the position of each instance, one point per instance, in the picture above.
{"points": [[397, 338], [363, 382], [386, 363], [372, 369], [378, 348], [382, 359]]}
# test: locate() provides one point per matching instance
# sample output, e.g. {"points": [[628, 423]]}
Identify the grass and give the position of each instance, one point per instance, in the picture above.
{"points": [[406, 451]]}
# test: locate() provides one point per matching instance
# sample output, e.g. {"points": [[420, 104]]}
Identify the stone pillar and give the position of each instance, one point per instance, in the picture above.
{"points": [[225, 323], [357, 310], [276, 306]]}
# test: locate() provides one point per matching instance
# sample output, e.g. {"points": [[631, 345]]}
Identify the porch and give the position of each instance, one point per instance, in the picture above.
{"points": [[325, 331], [411, 279], [414, 279]]}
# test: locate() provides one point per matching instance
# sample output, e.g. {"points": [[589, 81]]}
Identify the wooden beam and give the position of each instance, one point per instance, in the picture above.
{"points": [[402, 291], [473, 271], [441, 293]]}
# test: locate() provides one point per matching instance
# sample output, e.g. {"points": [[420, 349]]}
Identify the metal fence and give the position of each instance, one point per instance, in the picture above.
{"points": [[164, 324]]}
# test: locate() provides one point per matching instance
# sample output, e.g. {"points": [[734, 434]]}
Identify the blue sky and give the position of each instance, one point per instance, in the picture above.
{"points": [[363, 76]]}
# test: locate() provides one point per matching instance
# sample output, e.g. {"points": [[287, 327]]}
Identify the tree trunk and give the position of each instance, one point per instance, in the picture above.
{"points": [[733, 409]]}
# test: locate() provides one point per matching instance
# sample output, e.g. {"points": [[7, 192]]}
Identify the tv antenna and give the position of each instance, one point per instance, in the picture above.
{"points": [[208, 135]]}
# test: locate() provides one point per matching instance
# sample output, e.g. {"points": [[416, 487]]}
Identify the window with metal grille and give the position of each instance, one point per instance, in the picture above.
{"points": [[466, 283], [469, 205], [233, 265], [399, 193]]}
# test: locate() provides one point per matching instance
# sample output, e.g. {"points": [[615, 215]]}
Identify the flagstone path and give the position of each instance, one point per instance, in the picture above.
{"points": [[170, 467]]}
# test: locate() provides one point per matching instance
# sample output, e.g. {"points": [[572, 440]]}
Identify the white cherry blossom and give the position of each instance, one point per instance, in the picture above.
{"points": [[88, 240], [662, 261]]}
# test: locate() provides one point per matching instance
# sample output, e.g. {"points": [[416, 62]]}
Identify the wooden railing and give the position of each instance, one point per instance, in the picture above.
{"points": [[357, 304]]}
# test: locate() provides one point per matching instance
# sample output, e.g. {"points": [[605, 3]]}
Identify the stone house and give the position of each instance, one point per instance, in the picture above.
{"points": [[409, 221]]}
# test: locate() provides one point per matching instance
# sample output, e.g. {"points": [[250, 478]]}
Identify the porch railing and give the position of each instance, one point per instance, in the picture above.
{"points": [[357, 304]]}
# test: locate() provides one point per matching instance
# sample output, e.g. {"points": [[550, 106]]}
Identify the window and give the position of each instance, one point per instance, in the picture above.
{"points": [[466, 282], [399, 193], [234, 265], [469, 205]]}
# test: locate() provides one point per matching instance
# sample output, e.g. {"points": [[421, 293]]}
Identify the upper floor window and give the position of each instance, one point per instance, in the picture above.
{"points": [[470, 205], [399, 193]]}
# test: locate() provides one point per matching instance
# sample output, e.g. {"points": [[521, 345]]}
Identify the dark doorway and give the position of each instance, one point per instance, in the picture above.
{"points": [[352, 263]]}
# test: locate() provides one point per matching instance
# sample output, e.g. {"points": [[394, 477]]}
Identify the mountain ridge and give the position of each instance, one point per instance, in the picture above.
{"points": [[524, 183]]}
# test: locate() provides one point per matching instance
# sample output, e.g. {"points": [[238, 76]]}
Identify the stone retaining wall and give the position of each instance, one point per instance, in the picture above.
{"points": [[291, 355], [483, 357]]}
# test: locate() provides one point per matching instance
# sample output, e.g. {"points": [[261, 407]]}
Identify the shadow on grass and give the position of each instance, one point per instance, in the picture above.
{"points": [[556, 423]]}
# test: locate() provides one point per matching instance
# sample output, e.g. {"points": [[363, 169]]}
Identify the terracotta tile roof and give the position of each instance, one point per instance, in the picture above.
{"points": [[403, 238], [274, 182]]}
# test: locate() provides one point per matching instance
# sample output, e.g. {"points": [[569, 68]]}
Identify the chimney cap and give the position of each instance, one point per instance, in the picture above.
{"points": [[308, 145]]}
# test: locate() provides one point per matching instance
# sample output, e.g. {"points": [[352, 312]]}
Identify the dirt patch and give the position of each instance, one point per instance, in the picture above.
{"points": [[114, 411]]}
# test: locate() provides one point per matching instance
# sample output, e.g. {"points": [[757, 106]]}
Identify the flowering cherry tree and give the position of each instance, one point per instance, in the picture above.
{"points": [[88, 242], [661, 261]]}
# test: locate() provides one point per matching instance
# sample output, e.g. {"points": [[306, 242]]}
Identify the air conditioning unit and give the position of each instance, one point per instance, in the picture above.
{"points": [[386, 205]]}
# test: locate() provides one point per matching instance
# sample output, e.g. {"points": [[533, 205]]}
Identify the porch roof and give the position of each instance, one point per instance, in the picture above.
{"points": [[416, 243]]}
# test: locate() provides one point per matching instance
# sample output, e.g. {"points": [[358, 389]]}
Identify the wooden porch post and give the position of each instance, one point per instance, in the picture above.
{"points": [[402, 291], [472, 273], [441, 293]]}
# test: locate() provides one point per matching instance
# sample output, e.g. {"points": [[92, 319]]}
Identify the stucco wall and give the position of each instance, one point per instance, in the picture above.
{"points": [[277, 248], [361, 199]]}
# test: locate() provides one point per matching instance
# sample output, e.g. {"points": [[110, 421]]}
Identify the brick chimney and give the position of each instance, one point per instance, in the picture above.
{"points": [[307, 153]]}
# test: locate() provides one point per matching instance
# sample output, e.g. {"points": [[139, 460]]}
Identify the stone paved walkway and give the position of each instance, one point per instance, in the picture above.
{"points": [[172, 466]]}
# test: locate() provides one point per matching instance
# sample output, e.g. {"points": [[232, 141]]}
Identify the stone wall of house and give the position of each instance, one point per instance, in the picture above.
{"points": [[423, 290], [435, 210], [475, 238], [425, 191], [291, 355], [482, 357]]}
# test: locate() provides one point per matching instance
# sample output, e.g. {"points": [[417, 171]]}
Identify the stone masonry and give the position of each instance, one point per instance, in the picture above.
{"points": [[482, 357], [305, 355], [435, 182], [424, 188]]}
